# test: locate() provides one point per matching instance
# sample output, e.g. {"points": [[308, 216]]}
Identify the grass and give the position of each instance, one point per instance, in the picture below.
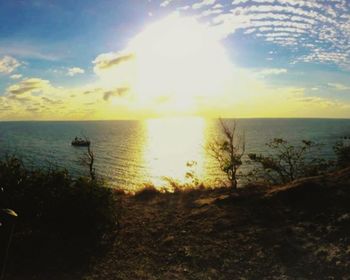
{"points": [[299, 230]]}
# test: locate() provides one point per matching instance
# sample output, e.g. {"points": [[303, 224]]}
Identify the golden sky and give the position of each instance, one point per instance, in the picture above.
{"points": [[174, 66]]}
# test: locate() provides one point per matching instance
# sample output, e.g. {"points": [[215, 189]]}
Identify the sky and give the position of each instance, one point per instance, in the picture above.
{"points": [[136, 59]]}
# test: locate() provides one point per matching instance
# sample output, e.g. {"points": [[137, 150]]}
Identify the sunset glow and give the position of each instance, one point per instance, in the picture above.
{"points": [[169, 66], [168, 59]]}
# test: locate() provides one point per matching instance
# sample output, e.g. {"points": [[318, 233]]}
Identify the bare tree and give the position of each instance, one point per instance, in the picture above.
{"points": [[88, 160], [228, 151]]}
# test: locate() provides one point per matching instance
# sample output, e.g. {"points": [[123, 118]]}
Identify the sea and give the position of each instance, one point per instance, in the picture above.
{"points": [[132, 154]]}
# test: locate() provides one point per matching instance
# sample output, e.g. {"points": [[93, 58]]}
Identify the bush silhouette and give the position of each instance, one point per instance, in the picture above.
{"points": [[50, 203], [286, 162]]}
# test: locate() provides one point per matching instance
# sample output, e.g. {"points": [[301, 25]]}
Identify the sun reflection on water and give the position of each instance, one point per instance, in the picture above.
{"points": [[170, 145]]}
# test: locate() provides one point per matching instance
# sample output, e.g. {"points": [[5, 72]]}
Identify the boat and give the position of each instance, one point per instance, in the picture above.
{"points": [[80, 142]]}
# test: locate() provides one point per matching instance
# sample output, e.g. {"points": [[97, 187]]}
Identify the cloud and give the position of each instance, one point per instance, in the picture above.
{"points": [[166, 81], [27, 50], [339, 86], [119, 92], [16, 76], [30, 85], [74, 71], [38, 99], [165, 3], [8, 64], [272, 71], [202, 4], [5, 108], [108, 60], [51, 101], [33, 109], [20, 99], [314, 31]]}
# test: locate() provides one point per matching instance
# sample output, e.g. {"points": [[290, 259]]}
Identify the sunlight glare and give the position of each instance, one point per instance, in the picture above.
{"points": [[171, 143], [177, 62], [179, 58]]}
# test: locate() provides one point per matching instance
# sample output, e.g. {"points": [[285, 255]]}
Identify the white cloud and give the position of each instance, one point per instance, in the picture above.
{"points": [[74, 71], [8, 64], [16, 76], [318, 29], [165, 3], [202, 4]]}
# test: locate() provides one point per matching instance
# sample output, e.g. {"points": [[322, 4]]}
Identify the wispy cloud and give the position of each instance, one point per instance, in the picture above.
{"points": [[30, 85], [272, 71], [318, 29], [203, 3], [27, 51]]}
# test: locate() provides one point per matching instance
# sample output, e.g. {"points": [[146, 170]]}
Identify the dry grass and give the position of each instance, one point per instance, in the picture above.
{"points": [[300, 231]]}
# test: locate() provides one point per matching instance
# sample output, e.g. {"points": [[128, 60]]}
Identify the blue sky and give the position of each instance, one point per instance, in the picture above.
{"points": [[288, 45], [54, 34]]}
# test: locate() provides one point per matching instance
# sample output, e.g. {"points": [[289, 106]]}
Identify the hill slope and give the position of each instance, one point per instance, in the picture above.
{"points": [[300, 230]]}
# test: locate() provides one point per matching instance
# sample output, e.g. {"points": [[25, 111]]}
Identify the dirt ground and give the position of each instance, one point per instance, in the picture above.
{"points": [[297, 231]]}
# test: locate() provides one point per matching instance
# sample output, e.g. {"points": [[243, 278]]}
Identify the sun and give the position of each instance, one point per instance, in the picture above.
{"points": [[177, 64]]}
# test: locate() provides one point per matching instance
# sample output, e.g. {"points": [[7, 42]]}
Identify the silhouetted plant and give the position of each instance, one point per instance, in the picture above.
{"points": [[191, 173], [228, 152], [287, 162], [342, 151], [88, 159], [52, 203]]}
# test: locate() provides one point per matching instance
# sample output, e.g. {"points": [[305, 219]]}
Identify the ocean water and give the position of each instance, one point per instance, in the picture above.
{"points": [[132, 153]]}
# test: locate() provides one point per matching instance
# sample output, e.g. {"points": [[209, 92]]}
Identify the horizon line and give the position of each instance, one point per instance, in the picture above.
{"points": [[208, 118]]}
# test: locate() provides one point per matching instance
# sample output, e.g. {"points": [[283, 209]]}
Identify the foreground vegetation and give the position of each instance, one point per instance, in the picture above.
{"points": [[61, 221], [281, 163], [297, 230]]}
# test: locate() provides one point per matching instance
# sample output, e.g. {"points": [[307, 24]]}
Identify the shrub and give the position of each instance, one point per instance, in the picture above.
{"points": [[342, 151], [287, 162], [52, 204]]}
